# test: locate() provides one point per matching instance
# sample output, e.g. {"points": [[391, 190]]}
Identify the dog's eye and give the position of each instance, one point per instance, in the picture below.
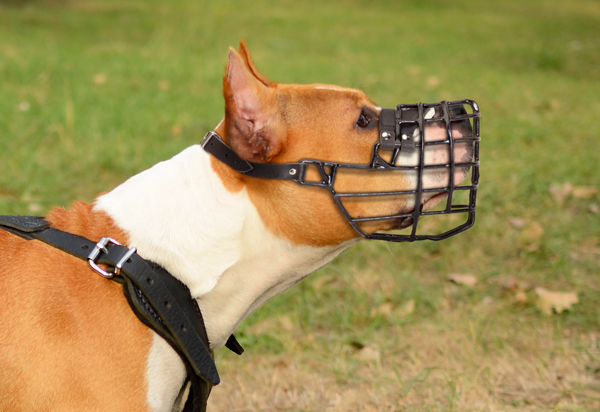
{"points": [[363, 121]]}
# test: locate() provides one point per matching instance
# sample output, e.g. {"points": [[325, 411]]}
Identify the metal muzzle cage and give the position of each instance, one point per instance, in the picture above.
{"points": [[402, 132]]}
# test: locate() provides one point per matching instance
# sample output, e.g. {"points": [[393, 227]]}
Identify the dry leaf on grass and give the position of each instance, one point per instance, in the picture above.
{"points": [[286, 323], [24, 106], [176, 130], [517, 222], [384, 309], [368, 354], [511, 283], [99, 78], [164, 85], [407, 308], [533, 231], [520, 298], [531, 236], [463, 280], [433, 81], [515, 287], [560, 191], [584, 192], [387, 308], [35, 207], [549, 301]]}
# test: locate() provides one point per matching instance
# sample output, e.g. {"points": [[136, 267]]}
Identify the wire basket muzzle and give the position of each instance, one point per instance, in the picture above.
{"points": [[430, 156]]}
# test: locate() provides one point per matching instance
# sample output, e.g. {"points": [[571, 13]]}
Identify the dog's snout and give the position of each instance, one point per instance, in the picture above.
{"points": [[438, 149], [446, 148]]}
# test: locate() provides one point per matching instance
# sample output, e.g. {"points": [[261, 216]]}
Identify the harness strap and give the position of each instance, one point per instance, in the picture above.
{"points": [[157, 298]]}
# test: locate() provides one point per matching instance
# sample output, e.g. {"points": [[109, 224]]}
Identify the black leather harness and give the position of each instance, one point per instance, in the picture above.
{"points": [[157, 298]]}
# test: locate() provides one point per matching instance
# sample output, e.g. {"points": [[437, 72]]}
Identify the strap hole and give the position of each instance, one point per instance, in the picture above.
{"points": [[85, 247], [150, 281], [183, 328], [167, 304]]}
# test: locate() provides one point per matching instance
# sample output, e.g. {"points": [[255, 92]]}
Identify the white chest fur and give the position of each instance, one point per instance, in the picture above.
{"points": [[179, 215]]}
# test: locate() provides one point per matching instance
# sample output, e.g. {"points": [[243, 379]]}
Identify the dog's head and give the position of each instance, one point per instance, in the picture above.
{"points": [[268, 122]]}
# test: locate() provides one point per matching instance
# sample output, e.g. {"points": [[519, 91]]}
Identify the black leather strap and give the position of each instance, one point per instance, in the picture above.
{"points": [[23, 226], [158, 299], [214, 145], [233, 345], [387, 129]]}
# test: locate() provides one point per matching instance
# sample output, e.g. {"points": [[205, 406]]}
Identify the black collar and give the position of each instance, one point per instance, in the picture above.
{"points": [[158, 299]]}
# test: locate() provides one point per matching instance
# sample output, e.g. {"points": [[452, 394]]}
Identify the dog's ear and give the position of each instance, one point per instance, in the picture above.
{"points": [[248, 107], [245, 54]]}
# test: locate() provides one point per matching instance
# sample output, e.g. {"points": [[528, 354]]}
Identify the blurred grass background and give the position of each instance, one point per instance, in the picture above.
{"points": [[94, 91]]}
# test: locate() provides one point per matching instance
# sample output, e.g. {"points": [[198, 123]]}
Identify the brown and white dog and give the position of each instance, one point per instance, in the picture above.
{"points": [[68, 339]]}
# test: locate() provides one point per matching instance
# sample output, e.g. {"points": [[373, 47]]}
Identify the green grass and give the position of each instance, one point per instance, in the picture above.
{"points": [[92, 92]]}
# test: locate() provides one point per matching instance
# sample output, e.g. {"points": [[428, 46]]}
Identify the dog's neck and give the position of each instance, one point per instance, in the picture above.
{"points": [[180, 215]]}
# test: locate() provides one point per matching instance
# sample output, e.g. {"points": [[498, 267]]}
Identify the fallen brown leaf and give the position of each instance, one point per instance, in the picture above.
{"points": [[584, 192], [463, 280], [517, 222], [511, 283], [164, 85], [560, 191], [533, 231], [368, 354], [35, 207], [24, 106], [433, 81], [384, 309], [521, 298], [99, 78], [549, 301], [407, 308], [554, 104], [531, 236], [413, 70], [176, 130], [286, 323]]}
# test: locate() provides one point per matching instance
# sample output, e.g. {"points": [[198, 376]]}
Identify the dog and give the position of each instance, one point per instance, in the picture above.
{"points": [[68, 338]]}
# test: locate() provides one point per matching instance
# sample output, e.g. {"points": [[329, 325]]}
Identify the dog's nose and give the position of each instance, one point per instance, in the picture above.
{"points": [[444, 148]]}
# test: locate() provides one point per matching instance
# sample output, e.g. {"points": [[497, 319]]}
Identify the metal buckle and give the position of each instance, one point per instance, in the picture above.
{"points": [[101, 247]]}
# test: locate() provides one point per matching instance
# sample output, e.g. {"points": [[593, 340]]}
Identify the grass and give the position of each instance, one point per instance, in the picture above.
{"points": [[94, 91]]}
